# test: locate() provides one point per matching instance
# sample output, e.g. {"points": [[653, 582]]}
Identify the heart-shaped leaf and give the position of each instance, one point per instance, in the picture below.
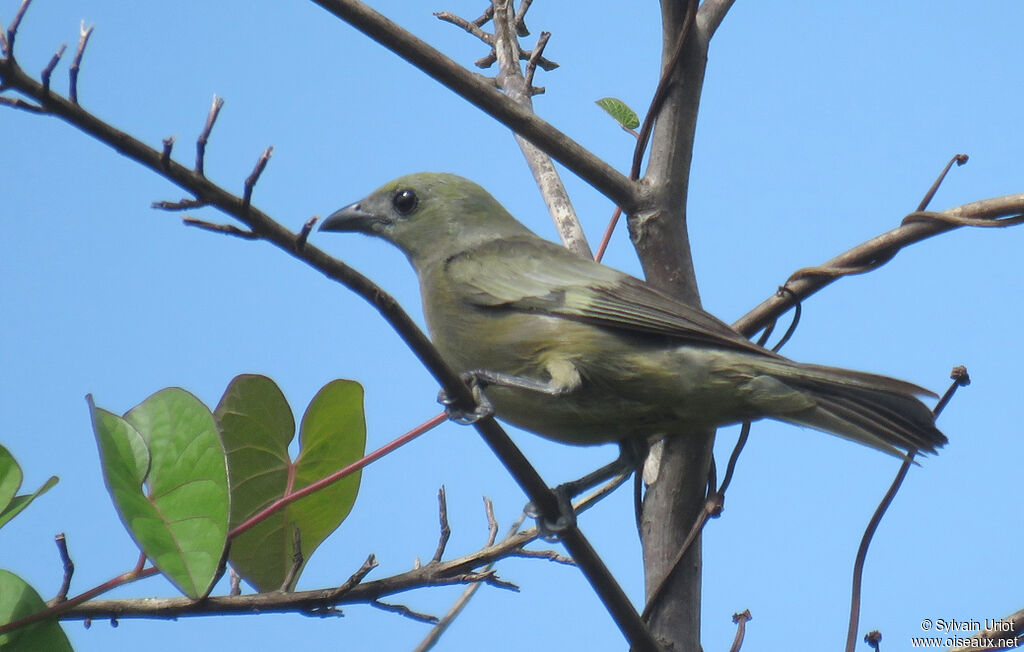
{"points": [[165, 468], [257, 426]]}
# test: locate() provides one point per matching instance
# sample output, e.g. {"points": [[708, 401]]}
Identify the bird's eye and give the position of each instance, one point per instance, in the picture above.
{"points": [[405, 201]]}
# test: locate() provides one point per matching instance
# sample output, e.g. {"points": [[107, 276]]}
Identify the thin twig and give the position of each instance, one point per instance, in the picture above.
{"points": [[251, 180], [180, 205], [12, 31], [959, 159], [226, 229], [68, 565], [531, 63], [54, 60], [520, 18], [492, 522], [446, 530], [297, 560], [307, 228], [470, 26], [204, 136], [403, 610], [76, 63], [862, 550], [434, 635], [486, 16], [960, 378], [18, 103], [996, 212], [741, 619], [730, 467], [165, 154]]}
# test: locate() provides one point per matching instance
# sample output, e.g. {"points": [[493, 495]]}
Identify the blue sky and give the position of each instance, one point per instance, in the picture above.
{"points": [[822, 125]]}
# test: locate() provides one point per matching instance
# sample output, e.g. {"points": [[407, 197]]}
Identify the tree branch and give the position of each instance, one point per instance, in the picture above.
{"points": [[518, 88], [478, 92], [711, 14], [1007, 210]]}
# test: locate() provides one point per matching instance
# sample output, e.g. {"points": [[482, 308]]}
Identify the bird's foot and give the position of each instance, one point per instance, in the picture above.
{"points": [[551, 529], [482, 410]]}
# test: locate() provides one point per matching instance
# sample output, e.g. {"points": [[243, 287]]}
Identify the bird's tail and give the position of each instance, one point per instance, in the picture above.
{"points": [[878, 411]]}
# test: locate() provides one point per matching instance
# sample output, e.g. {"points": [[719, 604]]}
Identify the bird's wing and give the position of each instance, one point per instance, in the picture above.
{"points": [[531, 274]]}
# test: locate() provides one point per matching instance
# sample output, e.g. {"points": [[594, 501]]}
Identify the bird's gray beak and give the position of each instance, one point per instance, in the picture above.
{"points": [[350, 218]]}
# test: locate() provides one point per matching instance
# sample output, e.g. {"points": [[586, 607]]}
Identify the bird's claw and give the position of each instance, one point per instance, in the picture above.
{"points": [[551, 530], [482, 410]]}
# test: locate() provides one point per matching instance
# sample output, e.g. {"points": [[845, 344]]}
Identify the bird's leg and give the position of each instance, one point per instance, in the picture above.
{"points": [[631, 452], [485, 377], [478, 379]]}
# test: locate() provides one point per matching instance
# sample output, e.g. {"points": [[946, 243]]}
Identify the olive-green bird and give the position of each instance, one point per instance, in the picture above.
{"points": [[582, 353]]}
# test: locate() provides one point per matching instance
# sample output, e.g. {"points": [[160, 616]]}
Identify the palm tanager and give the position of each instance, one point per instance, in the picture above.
{"points": [[584, 354]]}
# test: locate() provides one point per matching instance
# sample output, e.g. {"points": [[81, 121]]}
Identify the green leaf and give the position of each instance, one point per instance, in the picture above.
{"points": [[10, 478], [18, 600], [19, 503], [165, 468], [257, 426], [616, 108]]}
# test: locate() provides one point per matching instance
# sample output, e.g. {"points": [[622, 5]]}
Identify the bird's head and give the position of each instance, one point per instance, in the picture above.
{"points": [[429, 215]]}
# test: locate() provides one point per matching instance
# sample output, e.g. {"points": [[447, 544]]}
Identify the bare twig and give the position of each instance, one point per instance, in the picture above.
{"points": [[486, 16], [76, 63], [741, 619], [226, 229], [297, 560], [959, 159], [862, 550], [307, 228], [960, 378], [492, 522], [204, 137], [531, 64], [1004, 211], [68, 565], [234, 581], [470, 26], [180, 205], [520, 19], [12, 31], [18, 103], [251, 180], [460, 603], [54, 60], [446, 530], [165, 154], [403, 610]]}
